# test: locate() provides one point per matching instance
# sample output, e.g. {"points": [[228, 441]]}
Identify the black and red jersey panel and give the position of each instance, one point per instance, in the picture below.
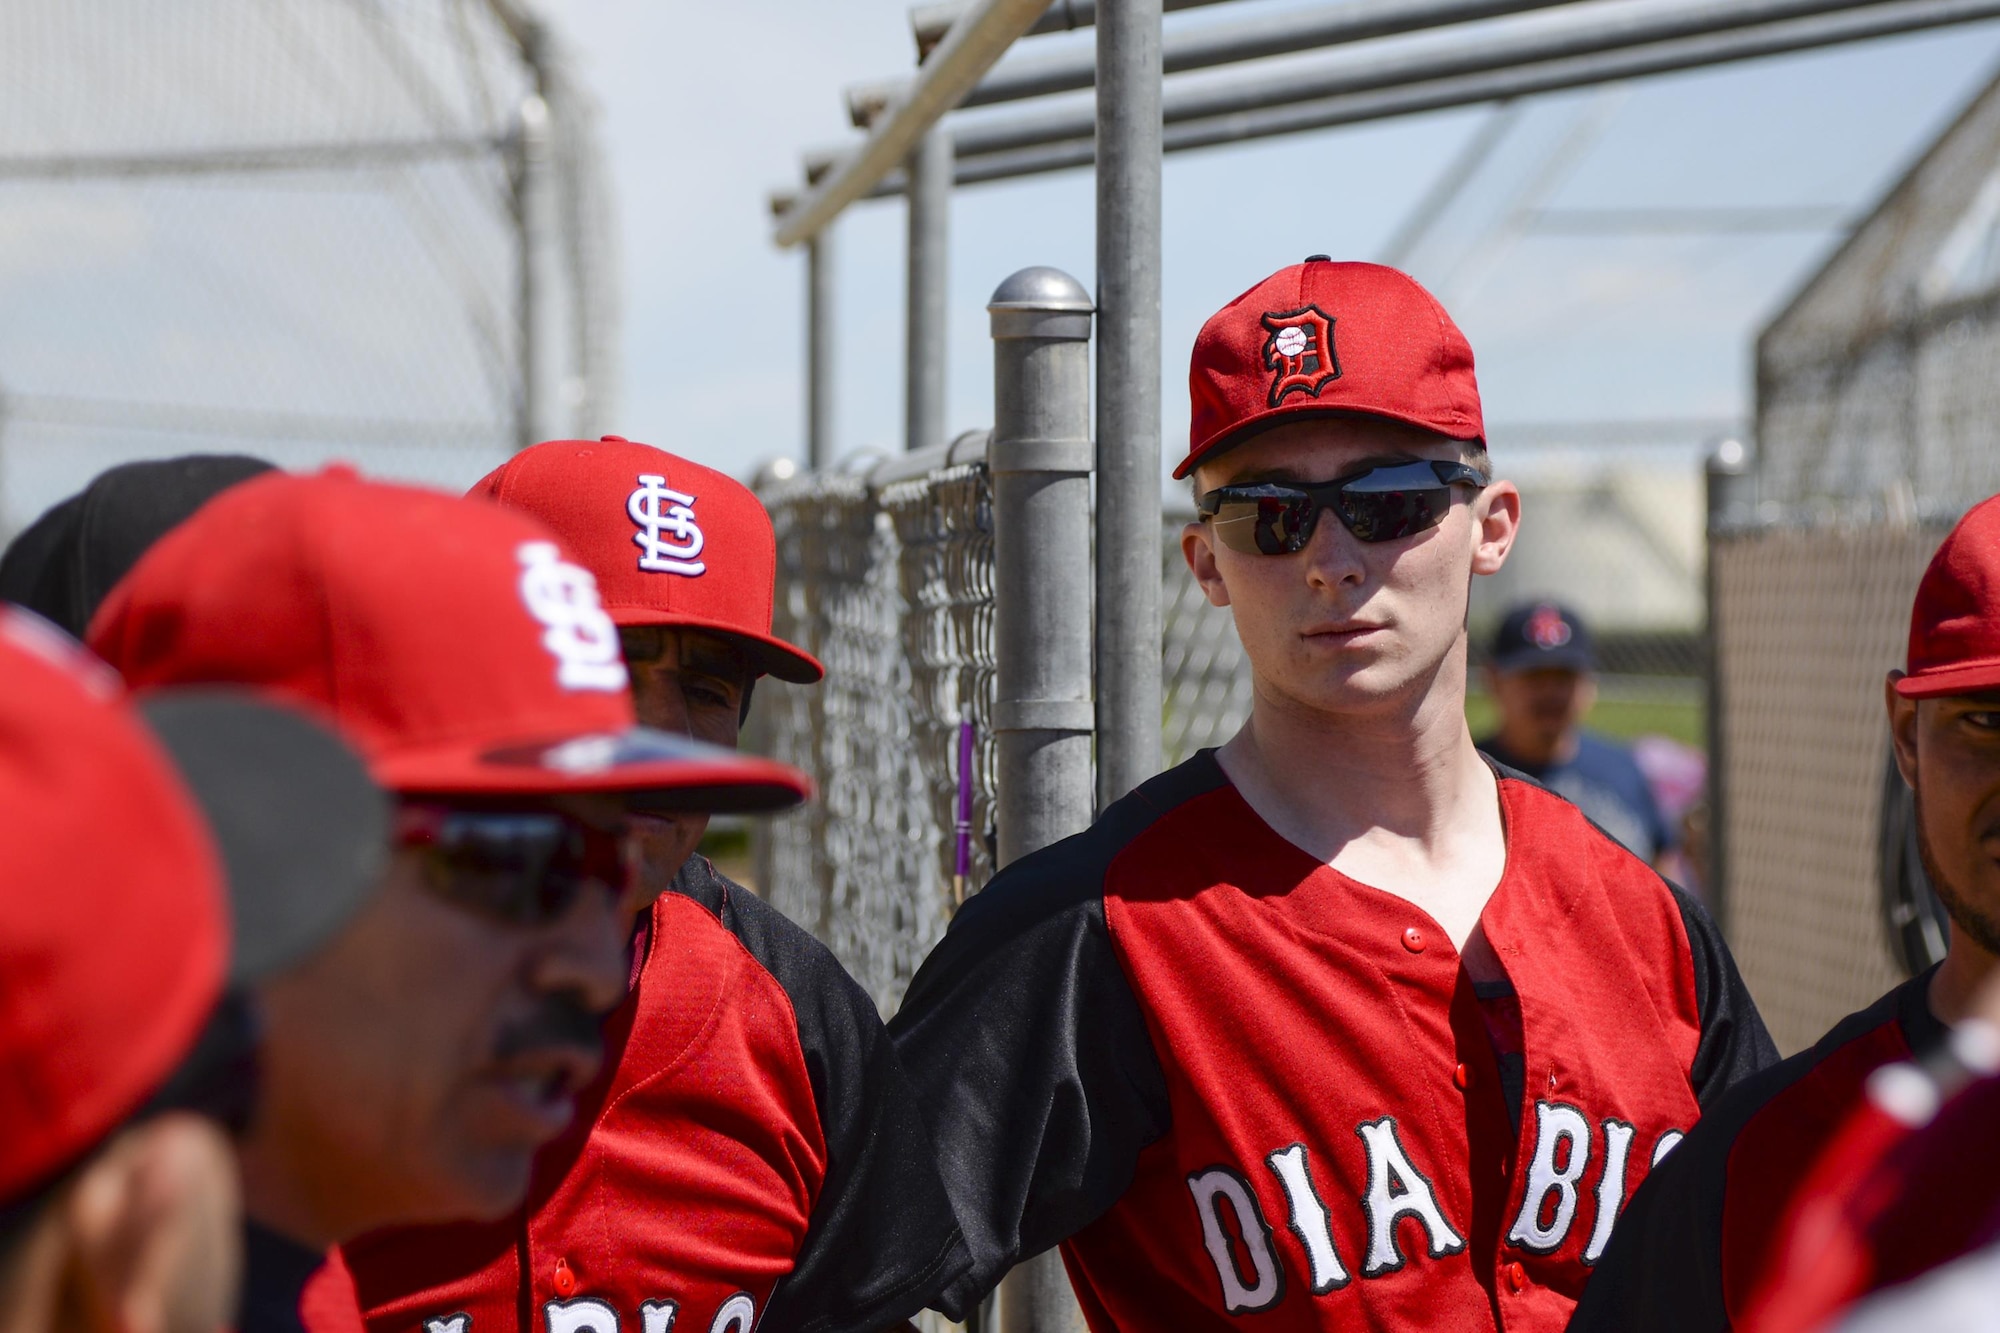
{"points": [[752, 1157], [1232, 1080], [1702, 1236]]}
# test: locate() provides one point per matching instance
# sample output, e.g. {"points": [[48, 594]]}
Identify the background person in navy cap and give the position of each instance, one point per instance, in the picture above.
{"points": [[1542, 678]]}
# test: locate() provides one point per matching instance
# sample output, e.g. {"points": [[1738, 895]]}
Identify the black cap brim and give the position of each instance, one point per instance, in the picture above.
{"points": [[303, 830]]}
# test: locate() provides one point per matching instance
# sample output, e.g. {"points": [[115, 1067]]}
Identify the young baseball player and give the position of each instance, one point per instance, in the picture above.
{"points": [[1336, 1026], [1700, 1240], [413, 1065], [753, 1155]]}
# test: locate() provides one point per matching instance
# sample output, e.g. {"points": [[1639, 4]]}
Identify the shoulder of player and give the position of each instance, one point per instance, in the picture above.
{"points": [[1068, 876], [1548, 812], [803, 968]]}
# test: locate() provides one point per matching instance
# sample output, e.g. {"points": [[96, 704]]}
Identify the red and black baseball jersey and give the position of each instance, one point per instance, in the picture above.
{"points": [[1699, 1239], [1892, 1198], [1230, 1080], [751, 1158]]}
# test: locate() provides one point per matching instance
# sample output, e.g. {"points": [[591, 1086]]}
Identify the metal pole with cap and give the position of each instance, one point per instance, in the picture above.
{"points": [[819, 349], [1040, 459], [929, 290]]}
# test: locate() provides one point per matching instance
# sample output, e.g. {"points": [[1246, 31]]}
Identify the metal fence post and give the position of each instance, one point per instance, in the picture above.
{"points": [[928, 298], [1040, 459], [530, 205], [1731, 500], [1128, 395], [819, 349]]}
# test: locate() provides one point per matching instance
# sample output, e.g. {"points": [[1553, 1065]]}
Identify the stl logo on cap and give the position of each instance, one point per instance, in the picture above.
{"points": [[676, 519], [1299, 353], [575, 627], [1546, 628]]}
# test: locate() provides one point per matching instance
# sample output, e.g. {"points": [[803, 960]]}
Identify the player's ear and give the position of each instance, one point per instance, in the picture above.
{"points": [[1198, 548], [1496, 515], [1902, 728]]}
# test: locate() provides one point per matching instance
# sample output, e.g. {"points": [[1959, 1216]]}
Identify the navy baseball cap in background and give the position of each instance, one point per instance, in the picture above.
{"points": [[1541, 636], [62, 566]]}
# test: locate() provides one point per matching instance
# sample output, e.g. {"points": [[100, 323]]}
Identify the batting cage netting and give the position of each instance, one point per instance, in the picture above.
{"points": [[294, 228], [1878, 416]]}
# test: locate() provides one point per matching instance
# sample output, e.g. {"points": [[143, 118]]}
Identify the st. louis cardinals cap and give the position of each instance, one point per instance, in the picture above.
{"points": [[67, 559], [454, 644], [1955, 624], [116, 943], [671, 542], [1323, 338]]}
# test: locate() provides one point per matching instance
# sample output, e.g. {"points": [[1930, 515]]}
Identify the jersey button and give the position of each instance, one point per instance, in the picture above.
{"points": [[612, 439], [1413, 939], [1517, 1277], [566, 1280], [1462, 1076]]}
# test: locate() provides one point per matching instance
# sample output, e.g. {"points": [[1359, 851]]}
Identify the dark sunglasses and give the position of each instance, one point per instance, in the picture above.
{"points": [[1380, 504], [523, 867]]}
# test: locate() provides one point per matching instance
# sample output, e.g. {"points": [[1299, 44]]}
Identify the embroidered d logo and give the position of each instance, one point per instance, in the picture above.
{"points": [[1299, 352], [662, 513]]}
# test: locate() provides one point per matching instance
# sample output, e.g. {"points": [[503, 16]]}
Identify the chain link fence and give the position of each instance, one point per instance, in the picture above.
{"points": [[1878, 412], [298, 228]]}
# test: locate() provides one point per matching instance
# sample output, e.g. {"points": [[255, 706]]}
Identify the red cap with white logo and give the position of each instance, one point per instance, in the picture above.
{"points": [[455, 645], [1319, 338], [671, 542], [116, 938]]}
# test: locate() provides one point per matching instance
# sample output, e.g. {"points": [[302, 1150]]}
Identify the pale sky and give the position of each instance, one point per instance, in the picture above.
{"points": [[708, 107]]}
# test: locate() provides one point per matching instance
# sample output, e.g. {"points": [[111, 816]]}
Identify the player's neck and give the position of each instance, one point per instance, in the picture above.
{"points": [[1399, 799]]}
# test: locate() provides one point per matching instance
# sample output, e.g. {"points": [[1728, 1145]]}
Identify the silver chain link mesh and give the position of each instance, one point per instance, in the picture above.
{"points": [[291, 228]]}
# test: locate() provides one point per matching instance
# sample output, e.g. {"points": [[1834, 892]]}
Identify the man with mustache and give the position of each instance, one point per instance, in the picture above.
{"points": [[1338, 1026], [413, 1065], [754, 1155], [1706, 1234]]}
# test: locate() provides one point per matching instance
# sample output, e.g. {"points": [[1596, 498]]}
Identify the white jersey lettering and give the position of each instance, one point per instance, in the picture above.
{"points": [[1610, 1187], [1308, 1218], [1556, 1124], [1267, 1284], [1397, 1189], [583, 1315]]}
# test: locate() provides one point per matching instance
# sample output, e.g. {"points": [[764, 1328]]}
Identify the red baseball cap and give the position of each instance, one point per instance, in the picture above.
{"points": [[454, 645], [671, 542], [1319, 338], [116, 942], [1955, 624]]}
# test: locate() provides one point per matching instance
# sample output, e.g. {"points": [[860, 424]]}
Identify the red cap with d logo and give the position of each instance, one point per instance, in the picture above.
{"points": [[1320, 338], [455, 645]]}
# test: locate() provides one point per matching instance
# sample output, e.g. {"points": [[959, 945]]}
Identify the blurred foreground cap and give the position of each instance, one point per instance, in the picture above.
{"points": [[671, 542], [1321, 338], [453, 644], [1955, 624], [116, 943]]}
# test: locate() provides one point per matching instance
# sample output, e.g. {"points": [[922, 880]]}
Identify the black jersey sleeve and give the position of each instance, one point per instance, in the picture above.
{"points": [[882, 1237], [1734, 1042], [1030, 1052]]}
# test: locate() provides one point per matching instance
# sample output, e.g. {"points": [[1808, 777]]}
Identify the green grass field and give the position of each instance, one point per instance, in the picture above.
{"points": [[1623, 717]]}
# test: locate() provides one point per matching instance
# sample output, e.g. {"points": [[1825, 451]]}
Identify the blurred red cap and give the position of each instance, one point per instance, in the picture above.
{"points": [[455, 645], [1955, 624], [1319, 338], [116, 942], [671, 542]]}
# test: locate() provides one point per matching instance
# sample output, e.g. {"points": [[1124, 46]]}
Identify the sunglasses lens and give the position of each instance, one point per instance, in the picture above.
{"points": [[1391, 502], [526, 868], [1277, 522]]}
